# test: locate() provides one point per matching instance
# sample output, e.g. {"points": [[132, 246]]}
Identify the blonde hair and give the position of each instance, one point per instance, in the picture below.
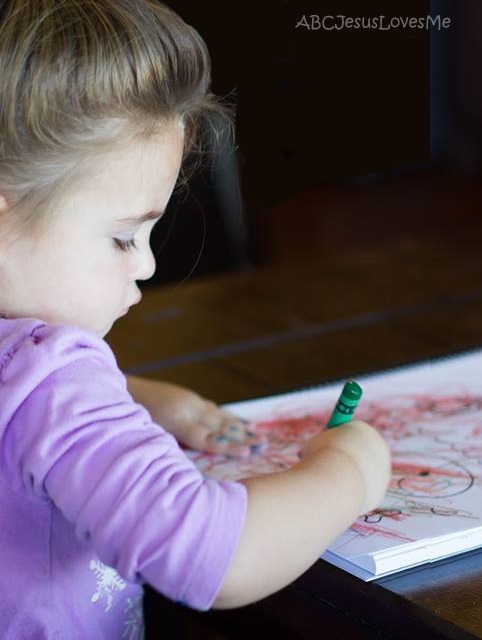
{"points": [[79, 76]]}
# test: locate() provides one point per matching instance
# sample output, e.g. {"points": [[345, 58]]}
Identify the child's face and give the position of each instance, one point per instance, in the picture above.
{"points": [[77, 272]]}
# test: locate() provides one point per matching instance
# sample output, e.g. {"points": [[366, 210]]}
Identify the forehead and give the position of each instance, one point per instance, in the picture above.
{"points": [[157, 159], [139, 174]]}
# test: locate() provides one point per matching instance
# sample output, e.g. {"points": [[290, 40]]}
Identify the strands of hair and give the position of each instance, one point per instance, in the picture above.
{"points": [[79, 77]]}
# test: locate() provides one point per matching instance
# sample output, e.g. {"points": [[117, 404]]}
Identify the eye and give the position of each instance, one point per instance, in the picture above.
{"points": [[125, 245]]}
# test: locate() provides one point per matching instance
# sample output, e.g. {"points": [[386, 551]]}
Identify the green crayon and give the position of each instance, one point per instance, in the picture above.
{"points": [[346, 404]]}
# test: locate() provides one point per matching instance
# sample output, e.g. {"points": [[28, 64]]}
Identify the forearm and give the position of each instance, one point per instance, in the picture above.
{"points": [[292, 517], [147, 392], [143, 390]]}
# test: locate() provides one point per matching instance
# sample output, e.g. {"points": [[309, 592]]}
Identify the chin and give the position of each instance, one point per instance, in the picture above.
{"points": [[103, 332]]}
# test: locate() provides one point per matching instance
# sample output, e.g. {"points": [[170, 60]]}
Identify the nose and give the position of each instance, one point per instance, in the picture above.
{"points": [[145, 264]]}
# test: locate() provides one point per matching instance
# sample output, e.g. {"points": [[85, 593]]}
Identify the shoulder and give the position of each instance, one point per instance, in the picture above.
{"points": [[59, 340], [32, 350]]}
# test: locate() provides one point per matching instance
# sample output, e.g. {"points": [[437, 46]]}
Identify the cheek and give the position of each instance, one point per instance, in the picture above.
{"points": [[110, 280], [103, 274], [107, 263]]}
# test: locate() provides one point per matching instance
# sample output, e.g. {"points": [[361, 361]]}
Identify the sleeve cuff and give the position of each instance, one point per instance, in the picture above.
{"points": [[204, 583]]}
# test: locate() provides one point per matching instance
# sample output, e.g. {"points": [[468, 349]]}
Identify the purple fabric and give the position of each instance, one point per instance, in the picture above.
{"points": [[95, 498]]}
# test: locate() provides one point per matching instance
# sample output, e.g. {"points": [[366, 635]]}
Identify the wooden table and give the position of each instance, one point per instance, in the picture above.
{"points": [[265, 331]]}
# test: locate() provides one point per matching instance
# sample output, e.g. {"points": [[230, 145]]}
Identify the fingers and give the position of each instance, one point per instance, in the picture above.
{"points": [[228, 430], [198, 437], [222, 444], [233, 439], [214, 419], [214, 430]]}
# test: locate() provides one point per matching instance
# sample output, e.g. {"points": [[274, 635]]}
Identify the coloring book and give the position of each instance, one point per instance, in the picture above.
{"points": [[431, 416]]}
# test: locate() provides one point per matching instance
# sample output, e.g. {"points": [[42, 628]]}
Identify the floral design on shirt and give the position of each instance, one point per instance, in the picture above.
{"points": [[134, 623], [108, 580]]}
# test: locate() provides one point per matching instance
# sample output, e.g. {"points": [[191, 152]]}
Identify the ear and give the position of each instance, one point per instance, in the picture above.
{"points": [[4, 207], [3, 204]]}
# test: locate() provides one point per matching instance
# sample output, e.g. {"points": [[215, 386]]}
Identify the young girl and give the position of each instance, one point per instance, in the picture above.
{"points": [[101, 103]]}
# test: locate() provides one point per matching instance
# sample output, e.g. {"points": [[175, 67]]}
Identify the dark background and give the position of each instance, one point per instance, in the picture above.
{"points": [[325, 108], [348, 142]]}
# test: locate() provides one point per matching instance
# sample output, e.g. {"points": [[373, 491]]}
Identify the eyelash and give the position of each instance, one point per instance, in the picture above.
{"points": [[125, 245]]}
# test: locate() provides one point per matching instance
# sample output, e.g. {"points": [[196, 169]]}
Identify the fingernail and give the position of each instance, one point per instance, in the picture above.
{"points": [[234, 427], [235, 434], [230, 438], [258, 448]]}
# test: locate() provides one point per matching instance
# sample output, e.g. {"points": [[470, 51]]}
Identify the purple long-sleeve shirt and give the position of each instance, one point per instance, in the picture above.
{"points": [[95, 498]]}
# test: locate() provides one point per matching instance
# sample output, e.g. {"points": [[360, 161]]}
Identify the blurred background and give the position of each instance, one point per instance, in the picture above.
{"points": [[346, 139]]}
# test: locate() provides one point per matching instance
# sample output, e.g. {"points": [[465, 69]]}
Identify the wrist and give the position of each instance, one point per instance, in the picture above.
{"points": [[342, 470]]}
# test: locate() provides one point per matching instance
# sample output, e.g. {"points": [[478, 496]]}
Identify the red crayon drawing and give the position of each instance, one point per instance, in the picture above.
{"points": [[431, 417], [436, 444]]}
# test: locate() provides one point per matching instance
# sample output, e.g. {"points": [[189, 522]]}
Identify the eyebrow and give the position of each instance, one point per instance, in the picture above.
{"points": [[150, 215]]}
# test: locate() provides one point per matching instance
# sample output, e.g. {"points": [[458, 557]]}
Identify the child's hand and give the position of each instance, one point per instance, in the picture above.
{"points": [[194, 421], [200, 424]]}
